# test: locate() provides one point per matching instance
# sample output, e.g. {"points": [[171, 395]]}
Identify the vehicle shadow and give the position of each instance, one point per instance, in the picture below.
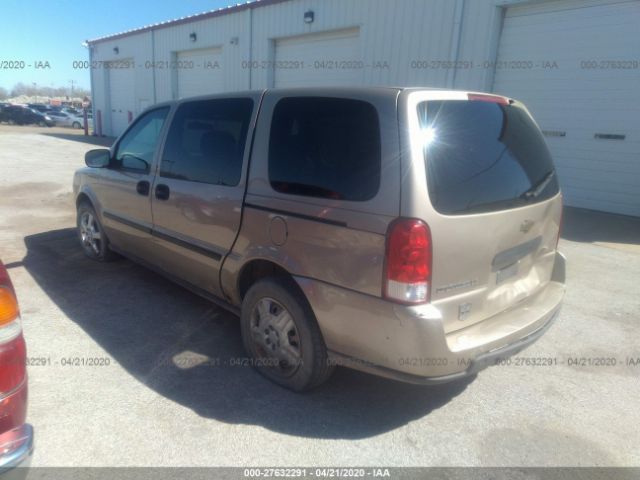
{"points": [[79, 137], [589, 226], [159, 332]]}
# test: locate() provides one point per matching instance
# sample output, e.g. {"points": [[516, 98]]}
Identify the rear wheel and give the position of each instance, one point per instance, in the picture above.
{"points": [[42, 123], [93, 240], [76, 125], [282, 337]]}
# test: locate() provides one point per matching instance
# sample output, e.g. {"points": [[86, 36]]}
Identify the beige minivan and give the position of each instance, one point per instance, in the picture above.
{"points": [[409, 233]]}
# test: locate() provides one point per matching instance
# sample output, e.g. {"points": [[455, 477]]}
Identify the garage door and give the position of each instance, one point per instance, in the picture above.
{"points": [[329, 58], [575, 66], [121, 95], [199, 72]]}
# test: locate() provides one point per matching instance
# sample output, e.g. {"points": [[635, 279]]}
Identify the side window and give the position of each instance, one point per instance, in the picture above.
{"points": [[325, 147], [206, 141], [136, 149]]}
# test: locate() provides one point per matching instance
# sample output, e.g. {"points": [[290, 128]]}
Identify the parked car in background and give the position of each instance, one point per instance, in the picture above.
{"points": [[22, 115], [40, 107], [64, 119], [16, 437], [80, 112], [351, 226], [71, 111], [4, 107]]}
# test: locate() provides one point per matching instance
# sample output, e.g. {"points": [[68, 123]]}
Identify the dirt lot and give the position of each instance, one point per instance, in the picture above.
{"points": [[142, 406]]}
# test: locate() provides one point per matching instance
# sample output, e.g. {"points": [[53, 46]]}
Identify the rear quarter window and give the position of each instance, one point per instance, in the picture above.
{"points": [[483, 156], [326, 148]]}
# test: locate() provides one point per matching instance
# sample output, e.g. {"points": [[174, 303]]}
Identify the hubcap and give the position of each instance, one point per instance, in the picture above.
{"points": [[90, 235], [275, 336]]}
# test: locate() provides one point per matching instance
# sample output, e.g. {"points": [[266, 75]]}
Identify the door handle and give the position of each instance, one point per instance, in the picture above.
{"points": [[162, 192], [143, 187]]}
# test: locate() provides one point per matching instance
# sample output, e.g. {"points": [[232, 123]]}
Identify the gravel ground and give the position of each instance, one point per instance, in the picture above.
{"points": [[150, 407]]}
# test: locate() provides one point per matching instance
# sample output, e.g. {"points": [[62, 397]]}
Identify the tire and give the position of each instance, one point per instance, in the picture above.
{"points": [[76, 125], [272, 345], [93, 240], [42, 123]]}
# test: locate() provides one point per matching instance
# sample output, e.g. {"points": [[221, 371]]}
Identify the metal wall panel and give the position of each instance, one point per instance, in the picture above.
{"points": [[319, 59], [405, 43], [428, 43], [394, 36], [121, 95], [199, 72], [135, 47], [556, 60], [218, 32]]}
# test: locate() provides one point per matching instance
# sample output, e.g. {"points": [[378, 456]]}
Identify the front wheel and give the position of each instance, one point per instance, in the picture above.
{"points": [[76, 125], [282, 337], [93, 240]]}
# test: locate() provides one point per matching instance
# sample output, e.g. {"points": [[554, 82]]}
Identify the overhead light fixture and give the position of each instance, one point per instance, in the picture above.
{"points": [[193, 36], [116, 50], [308, 16]]}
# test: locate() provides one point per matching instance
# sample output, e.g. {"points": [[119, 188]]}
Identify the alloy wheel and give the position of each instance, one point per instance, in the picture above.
{"points": [[90, 234]]}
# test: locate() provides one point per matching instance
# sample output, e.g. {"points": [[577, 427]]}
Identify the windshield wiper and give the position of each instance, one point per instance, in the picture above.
{"points": [[539, 187]]}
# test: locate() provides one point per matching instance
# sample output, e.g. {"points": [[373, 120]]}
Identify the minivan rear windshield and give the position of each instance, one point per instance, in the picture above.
{"points": [[483, 156]]}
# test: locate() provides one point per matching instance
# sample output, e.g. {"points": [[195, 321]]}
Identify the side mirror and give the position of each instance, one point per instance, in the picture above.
{"points": [[98, 158]]}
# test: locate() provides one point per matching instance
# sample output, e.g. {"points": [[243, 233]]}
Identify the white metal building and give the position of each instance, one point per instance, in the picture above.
{"points": [[573, 62]]}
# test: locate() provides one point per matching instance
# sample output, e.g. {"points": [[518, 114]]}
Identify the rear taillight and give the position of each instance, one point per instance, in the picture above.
{"points": [[13, 356], [8, 306], [12, 346], [408, 262]]}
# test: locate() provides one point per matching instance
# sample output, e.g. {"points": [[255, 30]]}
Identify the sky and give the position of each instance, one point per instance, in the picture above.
{"points": [[40, 31]]}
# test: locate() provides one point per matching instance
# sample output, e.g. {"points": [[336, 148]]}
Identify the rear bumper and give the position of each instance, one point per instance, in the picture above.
{"points": [[17, 448], [476, 364], [410, 343]]}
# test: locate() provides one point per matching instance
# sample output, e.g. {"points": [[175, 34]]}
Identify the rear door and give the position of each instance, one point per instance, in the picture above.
{"points": [[198, 191], [484, 181]]}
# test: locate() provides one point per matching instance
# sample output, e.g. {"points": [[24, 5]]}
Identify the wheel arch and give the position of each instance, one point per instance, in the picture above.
{"points": [[86, 195], [256, 269], [83, 197]]}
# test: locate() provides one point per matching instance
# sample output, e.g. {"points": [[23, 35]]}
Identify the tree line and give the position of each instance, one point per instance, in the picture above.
{"points": [[42, 91]]}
